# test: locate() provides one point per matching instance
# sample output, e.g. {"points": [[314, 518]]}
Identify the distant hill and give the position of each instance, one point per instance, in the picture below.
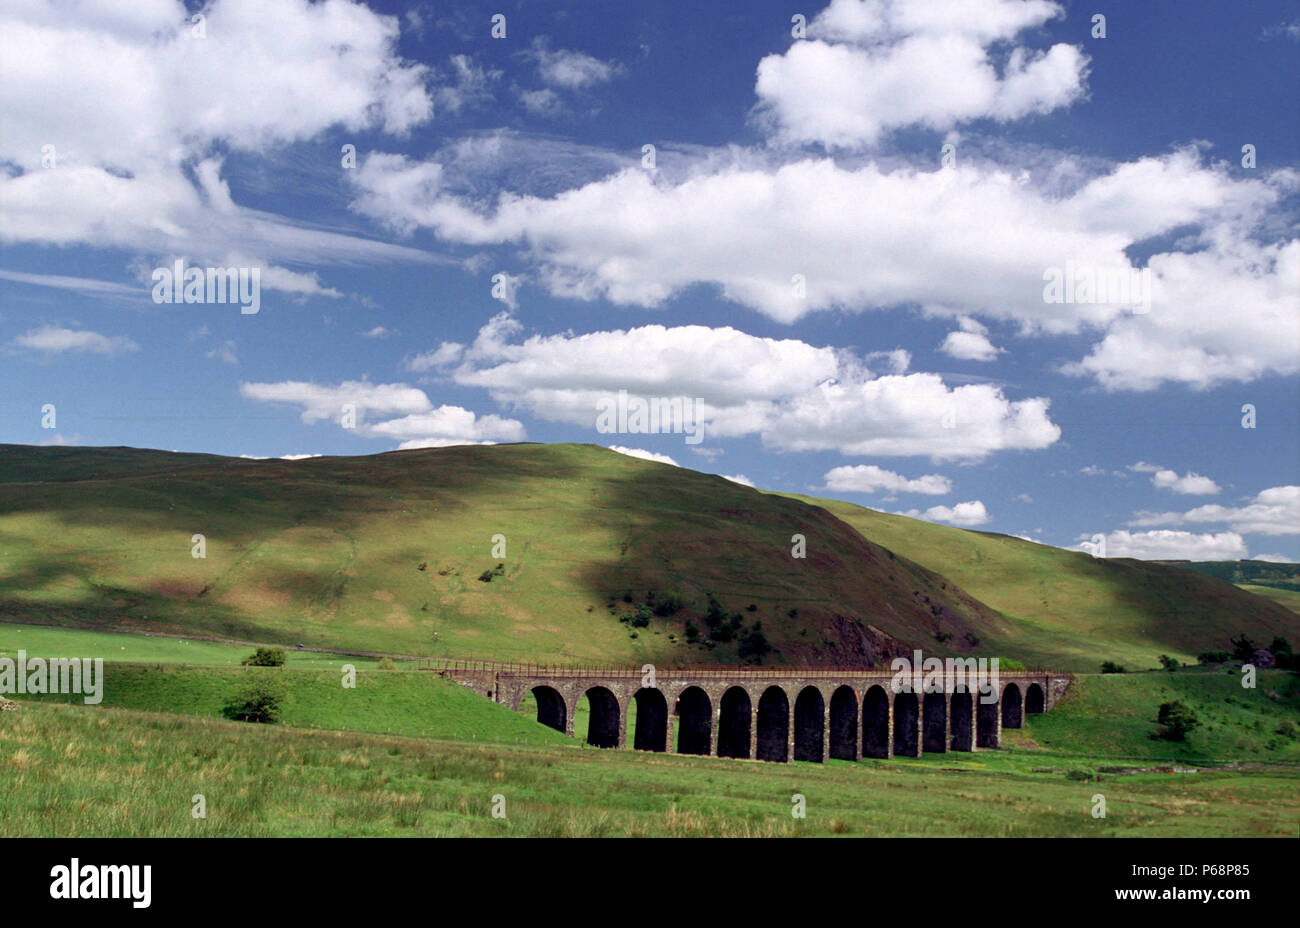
{"points": [[1070, 609], [393, 552], [608, 559], [1255, 573]]}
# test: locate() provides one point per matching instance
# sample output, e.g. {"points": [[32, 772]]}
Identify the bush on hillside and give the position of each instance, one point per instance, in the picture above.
{"points": [[261, 701], [265, 657], [1169, 663], [1242, 648], [1175, 720], [1111, 667], [669, 605]]}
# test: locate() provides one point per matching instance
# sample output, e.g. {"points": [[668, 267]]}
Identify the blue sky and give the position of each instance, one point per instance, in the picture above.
{"points": [[915, 368]]}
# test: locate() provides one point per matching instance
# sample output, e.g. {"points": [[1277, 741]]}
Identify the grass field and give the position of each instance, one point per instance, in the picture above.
{"points": [[115, 772], [51, 641], [405, 702], [1288, 598]]}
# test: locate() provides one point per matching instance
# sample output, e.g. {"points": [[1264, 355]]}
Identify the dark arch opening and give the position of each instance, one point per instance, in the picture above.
{"points": [[1012, 716], [694, 721], [550, 707], [735, 717], [875, 723], [934, 723], [986, 718], [773, 725], [1034, 699], [844, 724], [905, 724], [602, 728], [809, 725], [651, 720], [962, 721]]}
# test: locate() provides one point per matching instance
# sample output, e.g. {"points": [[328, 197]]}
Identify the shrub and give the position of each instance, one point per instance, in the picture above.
{"points": [[386, 663], [692, 631], [486, 576], [1169, 663], [1213, 657], [668, 605], [642, 617], [1175, 720], [1287, 729], [265, 657], [754, 646], [721, 633], [716, 613], [1242, 648], [261, 701], [1111, 667]]}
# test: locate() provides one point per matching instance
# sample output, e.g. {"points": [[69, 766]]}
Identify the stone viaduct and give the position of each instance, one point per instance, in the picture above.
{"points": [[764, 713]]}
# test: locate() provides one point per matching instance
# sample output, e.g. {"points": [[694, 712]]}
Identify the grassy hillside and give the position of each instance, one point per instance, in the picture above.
{"points": [[113, 772], [1259, 573], [1068, 609], [607, 558], [1111, 716], [394, 553], [48, 641], [1288, 598], [396, 702]]}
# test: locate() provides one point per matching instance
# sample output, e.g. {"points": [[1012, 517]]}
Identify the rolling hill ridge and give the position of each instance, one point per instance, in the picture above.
{"points": [[606, 558]]}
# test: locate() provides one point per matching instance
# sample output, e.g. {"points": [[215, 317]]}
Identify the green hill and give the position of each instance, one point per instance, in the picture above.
{"points": [[607, 557], [1071, 610]]}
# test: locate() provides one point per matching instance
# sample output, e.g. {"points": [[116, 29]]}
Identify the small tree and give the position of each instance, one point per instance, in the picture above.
{"points": [[1111, 667], [260, 701], [1175, 720], [265, 657], [1169, 663], [1242, 647]]}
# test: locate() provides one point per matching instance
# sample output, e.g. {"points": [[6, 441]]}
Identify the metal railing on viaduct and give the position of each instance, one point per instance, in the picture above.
{"points": [[768, 713]]}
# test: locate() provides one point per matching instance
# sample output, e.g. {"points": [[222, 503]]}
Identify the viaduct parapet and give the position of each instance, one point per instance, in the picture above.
{"points": [[762, 713]]}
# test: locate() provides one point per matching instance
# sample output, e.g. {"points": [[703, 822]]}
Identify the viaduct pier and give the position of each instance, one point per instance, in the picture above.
{"points": [[764, 713]]}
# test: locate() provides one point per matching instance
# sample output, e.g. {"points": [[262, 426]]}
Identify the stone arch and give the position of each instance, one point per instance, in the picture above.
{"points": [[961, 717], [1034, 700], [844, 724], [1012, 707], [602, 727], [809, 725], [551, 710], [934, 723], [774, 725], [694, 721], [986, 719], [906, 712], [651, 720], [735, 719], [875, 723]]}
